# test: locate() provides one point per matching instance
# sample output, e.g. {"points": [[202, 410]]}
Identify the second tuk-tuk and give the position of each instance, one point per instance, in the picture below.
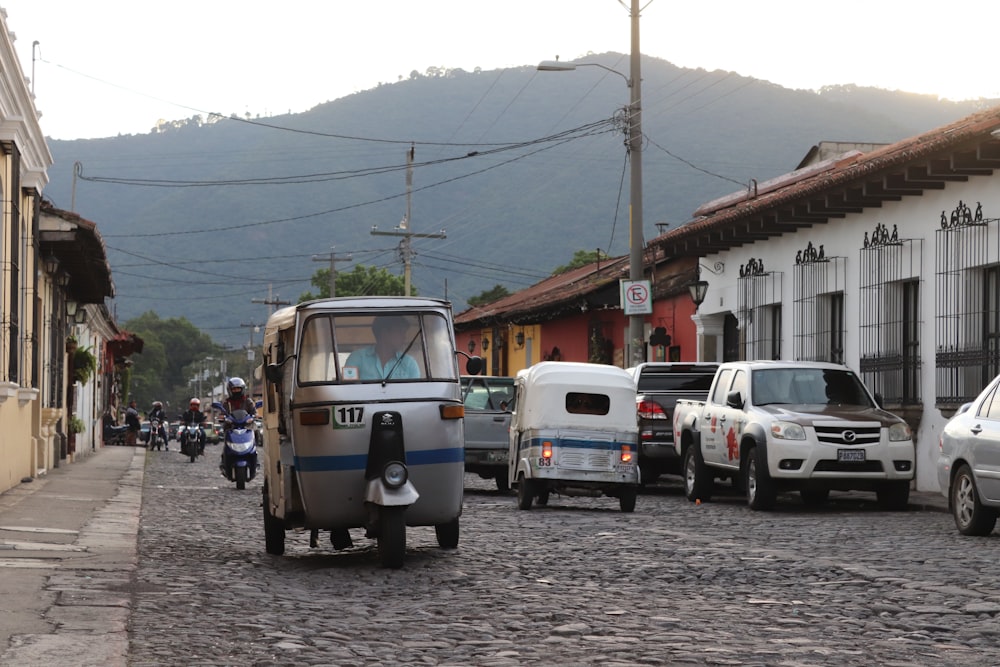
{"points": [[574, 432], [362, 418]]}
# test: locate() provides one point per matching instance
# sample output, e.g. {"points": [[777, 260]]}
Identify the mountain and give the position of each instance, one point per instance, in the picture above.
{"points": [[519, 168]]}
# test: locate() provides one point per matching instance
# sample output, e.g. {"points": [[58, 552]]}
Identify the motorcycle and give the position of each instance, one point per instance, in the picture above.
{"points": [[239, 451], [192, 440], [156, 436]]}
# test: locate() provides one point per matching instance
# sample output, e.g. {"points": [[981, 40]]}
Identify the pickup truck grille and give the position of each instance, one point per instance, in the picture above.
{"points": [[846, 435]]}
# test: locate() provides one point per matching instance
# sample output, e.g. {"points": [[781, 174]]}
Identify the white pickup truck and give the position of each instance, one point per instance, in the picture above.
{"points": [[810, 427]]}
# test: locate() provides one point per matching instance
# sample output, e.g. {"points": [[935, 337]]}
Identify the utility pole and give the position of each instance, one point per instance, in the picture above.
{"points": [[403, 228], [332, 258], [271, 301], [254, 328]]}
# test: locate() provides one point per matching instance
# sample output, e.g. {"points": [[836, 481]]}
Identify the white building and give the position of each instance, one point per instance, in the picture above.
{"points": [[886, 260]]}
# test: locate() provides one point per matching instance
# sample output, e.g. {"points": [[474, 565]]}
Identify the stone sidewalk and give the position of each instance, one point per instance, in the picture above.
{"points": [[67, 562]]}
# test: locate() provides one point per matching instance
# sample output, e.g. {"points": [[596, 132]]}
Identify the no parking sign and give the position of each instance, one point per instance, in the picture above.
{"points": [[636, 298]]}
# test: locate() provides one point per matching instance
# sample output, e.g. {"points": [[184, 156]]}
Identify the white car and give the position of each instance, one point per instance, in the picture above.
{"points": [[969, 463]]}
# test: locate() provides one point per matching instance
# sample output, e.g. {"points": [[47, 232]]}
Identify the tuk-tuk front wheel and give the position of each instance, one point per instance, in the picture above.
{"points": [[447, 534], [274, 531], [392, 536], [525, 492]]}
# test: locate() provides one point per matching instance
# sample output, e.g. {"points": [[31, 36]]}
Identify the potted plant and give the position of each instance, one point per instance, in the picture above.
{"points": [[84, 364], [75, 425]]}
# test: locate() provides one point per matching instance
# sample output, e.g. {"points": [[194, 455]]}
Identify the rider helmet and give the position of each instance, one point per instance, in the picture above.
{"points": [[195, 404], [236, 388], [157, 404]]}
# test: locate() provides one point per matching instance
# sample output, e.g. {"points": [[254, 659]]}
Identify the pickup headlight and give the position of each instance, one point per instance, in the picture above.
{"points": [[899, 432], [788, 431]]}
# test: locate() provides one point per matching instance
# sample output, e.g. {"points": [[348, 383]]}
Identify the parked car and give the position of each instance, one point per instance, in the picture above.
{"points": [[213, 432], [488, 402], [969, 463], [172, 430], [659, 385], [144, 432]]}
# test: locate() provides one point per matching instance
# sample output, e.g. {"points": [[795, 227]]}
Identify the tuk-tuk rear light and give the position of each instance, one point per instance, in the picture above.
{"points": [[626, 453], [452, 411], [394, 474], [546, 450], [314, 417]]}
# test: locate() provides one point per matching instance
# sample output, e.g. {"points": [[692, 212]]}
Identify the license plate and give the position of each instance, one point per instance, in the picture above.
{"points": [[852, 455]]}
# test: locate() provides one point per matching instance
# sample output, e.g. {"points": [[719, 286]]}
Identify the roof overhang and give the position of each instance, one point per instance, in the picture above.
{"points": [[79, 248]]}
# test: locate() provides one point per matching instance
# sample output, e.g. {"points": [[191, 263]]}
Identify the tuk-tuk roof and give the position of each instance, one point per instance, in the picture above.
{"points": [[285, 317], [546, 384], [576, 374]]}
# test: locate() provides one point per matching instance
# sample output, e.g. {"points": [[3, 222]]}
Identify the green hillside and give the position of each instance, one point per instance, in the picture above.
{"points": [[519, 168]]}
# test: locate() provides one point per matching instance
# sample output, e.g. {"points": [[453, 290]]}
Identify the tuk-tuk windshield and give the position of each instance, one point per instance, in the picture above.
{"points": [[388, 346]]}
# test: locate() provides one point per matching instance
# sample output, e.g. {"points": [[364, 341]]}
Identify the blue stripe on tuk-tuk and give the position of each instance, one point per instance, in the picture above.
{"points": [[360, 461]]}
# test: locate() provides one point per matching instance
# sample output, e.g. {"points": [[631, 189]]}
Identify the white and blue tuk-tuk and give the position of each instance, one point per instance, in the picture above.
{"points": [[358, 435], [574, 432]]}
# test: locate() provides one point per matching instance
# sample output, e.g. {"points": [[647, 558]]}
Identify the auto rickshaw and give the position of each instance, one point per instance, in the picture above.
{"points": [[362, 417], [574, 432]]}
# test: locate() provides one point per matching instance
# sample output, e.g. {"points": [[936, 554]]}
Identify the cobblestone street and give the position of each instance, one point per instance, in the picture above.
{"points": [[574, 583]]}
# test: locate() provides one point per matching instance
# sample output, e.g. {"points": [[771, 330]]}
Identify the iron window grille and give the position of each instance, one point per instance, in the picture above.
{"points": [[818, 285], [967, 293], [759, 308], [890, 316]]}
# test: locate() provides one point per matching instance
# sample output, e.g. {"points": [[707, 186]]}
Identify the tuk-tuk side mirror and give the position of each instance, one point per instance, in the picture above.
{"points": [[474, 365], [275, 372]]}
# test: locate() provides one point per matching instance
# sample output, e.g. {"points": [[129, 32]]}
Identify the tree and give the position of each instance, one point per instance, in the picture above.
{"points": [[581, 258], [169, 346], [361, 281], [489, 296]]}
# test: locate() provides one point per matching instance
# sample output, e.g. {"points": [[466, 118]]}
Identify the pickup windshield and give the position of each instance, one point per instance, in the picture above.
{"points": [[814, 386]]}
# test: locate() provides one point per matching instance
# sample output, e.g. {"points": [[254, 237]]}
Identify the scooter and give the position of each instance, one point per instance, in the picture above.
{"points": [[239, 451], [191, 437]]}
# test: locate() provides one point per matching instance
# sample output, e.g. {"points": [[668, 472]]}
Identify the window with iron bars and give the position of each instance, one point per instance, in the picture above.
{"points": [[890, 316], [818, 291], [759, 307], [967, 293]]}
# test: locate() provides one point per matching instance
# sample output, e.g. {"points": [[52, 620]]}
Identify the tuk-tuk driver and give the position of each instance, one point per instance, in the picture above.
{"points": [[385, 359]]}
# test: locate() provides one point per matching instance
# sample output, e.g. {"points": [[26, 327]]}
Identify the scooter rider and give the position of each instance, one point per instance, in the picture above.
{"points": [[157, 412], [237, 398], [193, 416]]}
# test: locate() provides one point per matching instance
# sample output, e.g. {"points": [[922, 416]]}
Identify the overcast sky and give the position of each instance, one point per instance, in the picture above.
{"points": [[104, 67]]}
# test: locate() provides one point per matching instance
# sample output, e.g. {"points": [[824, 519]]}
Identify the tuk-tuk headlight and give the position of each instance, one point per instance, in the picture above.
{"points": [[394, 474]]}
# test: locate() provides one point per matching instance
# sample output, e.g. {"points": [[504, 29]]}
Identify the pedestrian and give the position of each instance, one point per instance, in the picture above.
{"points": [[132, 423]]}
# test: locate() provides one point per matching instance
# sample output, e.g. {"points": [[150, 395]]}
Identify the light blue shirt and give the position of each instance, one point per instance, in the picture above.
{"points": [[369, 367]]}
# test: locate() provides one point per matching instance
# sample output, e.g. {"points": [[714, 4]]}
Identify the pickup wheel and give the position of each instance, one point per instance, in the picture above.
{"points": [[698, 480], [894, 495], [761, 493]]}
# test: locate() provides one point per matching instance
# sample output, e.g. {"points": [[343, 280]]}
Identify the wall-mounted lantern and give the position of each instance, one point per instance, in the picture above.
{"points": [[486, 343], [519, 338], [472, 346]]}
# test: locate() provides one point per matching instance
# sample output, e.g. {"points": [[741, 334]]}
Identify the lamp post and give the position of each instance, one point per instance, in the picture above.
{"points": [[635, 344]]}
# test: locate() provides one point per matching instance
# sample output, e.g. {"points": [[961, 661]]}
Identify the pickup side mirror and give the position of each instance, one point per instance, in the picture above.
{"points": [[734, 400]]}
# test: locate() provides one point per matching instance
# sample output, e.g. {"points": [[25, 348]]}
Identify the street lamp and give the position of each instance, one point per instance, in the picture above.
{"points": [[635, 343]]}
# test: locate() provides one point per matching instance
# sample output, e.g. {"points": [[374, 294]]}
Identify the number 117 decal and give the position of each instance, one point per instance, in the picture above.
{"points": [[349, 416]]}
